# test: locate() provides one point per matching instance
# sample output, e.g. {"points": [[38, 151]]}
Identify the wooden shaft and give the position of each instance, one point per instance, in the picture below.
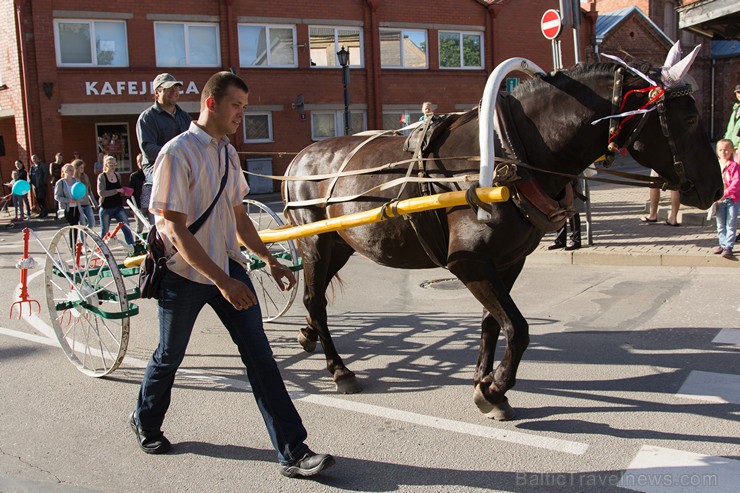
{"points": [[401, 208]]}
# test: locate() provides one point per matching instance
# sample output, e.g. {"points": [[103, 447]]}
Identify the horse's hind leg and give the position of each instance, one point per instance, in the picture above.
{"points": [[323, 257], [492, 290]]}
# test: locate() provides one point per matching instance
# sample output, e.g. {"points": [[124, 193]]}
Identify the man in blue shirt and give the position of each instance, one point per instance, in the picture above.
{"points": [[157, 125]]}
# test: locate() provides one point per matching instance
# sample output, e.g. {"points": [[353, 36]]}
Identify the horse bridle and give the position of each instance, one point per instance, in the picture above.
{"points": [[656, 95]]}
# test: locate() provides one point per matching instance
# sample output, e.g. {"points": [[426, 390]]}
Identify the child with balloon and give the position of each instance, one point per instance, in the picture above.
{"points": [[19, 188]]}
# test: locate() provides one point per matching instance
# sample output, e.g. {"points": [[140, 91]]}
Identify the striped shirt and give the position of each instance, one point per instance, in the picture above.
{"points": [[187, 176]]}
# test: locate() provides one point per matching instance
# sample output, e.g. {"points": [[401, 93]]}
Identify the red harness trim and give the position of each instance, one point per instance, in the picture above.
{"points": [[659, 94]]}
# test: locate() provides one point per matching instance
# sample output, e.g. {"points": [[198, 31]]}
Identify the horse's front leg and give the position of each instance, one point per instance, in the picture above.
{"points": [[482, 280], [322, 259]]}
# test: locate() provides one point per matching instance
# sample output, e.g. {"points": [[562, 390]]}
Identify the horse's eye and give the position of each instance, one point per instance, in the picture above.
{"points": [[692, 120]]}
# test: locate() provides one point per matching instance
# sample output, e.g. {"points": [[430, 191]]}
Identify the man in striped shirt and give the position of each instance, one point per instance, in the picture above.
{"points": [[204, 268]]}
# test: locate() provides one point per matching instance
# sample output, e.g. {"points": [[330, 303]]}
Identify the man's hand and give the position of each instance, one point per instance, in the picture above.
{"points": [[237, 293], [280, 272]]}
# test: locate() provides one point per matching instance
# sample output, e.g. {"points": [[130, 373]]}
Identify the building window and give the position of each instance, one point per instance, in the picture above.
{"points": [[460, 50], [84, 43], [112, 138], [267, 46], [187, 44], [257, 127], [325, 124], [403, 49], [325, 42], [393, 120]]}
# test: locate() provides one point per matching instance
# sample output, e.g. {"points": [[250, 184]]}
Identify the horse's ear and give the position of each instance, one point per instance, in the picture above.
{"points": [[673, 75], [674, 55]]}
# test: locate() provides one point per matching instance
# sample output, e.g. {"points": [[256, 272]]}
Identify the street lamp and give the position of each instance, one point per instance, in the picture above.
{"points": [[343, 56]]}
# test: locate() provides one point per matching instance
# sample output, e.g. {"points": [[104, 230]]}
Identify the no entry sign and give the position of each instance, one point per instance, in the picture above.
{"points": [[551, 24]]}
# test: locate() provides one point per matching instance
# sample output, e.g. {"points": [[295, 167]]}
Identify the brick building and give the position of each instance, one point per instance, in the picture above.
{"points": [[75, 74]]}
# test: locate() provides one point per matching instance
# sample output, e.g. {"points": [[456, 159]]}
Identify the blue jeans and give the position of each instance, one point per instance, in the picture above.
{"points": [[727, 223], [180, 301], [120, 215], [87, 213]]}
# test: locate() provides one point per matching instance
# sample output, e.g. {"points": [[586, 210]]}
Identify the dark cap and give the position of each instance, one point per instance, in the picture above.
{"points": [[737, 88], [166, 81]]}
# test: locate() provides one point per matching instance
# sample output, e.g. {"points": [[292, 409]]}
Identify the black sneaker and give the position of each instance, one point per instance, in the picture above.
{"points": [[150, 443], [308, 465]]}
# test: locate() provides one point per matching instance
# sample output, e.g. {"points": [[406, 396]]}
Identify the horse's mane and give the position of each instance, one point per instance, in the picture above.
{"points": [[582, 72]]}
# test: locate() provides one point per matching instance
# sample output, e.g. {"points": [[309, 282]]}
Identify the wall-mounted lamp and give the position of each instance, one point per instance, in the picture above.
{"points": [[48, 89]]}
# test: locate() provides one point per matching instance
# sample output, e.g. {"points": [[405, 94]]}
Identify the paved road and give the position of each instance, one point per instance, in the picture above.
{"points": [[630, 383]]}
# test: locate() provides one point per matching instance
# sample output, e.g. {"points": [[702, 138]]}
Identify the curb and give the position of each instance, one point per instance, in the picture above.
{"points": [[583, 257]]}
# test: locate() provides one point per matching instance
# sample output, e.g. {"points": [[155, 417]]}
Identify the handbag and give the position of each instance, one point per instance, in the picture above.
{"points": [[154, 266]]}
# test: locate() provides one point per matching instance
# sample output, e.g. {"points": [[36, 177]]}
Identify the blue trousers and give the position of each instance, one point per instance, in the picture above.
{"points": [[727, 222], [180, 301], [120, 215]]}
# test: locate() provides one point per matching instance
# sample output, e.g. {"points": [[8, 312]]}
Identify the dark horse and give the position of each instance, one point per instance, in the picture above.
{"points": [[550, 116]]}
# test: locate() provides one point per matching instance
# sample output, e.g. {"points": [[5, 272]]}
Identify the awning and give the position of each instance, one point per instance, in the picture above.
{"points": [[717, 19]]}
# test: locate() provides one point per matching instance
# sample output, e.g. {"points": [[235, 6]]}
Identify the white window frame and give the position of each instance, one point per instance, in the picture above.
{"points": [[93, 49], [338, 47], [268, 27], [338, 122], [462, 60], [187, 43], [402, 31], [270, 137]]}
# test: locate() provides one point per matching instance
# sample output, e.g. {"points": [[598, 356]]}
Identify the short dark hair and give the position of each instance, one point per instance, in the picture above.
{"points": [[218, 84]]}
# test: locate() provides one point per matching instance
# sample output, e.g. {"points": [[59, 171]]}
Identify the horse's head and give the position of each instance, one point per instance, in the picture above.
{"points": [[670, 138]]}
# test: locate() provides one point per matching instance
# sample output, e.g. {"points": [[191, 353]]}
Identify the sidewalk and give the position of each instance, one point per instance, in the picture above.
{"points": [[619, 238]]}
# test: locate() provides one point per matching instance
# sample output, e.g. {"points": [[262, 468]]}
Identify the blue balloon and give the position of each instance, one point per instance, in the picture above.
{"points": [[78, 190], [21, 187]]}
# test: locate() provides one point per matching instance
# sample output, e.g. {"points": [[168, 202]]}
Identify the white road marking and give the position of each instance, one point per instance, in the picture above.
{"points": [[29, 337], [728, 336], [664, 470], [569, 447], [711, 387]]}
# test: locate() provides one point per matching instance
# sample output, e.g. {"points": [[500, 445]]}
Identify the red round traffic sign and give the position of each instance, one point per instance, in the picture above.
{"points": [[551, 24]]}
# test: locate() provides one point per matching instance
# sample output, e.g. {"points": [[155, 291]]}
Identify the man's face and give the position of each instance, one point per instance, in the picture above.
{"points": [[737, 95], [35, 159], [169, 97], [229, 112]]}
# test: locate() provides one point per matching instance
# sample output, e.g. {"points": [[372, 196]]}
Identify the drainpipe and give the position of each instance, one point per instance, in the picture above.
{"points": [[374, 90], [19, 4], [492, 13]]}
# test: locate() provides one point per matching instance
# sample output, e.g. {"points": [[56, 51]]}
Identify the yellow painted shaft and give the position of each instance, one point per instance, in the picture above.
{"points": [[401, 208]]}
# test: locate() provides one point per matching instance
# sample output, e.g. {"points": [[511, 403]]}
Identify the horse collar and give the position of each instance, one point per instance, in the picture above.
{"points": [[544, 212]]}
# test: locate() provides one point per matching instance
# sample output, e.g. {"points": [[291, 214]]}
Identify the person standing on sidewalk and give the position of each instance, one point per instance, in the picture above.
{"points": [[40, 179], [205, 269], [157, 125], [652, 216], [727, 206]]}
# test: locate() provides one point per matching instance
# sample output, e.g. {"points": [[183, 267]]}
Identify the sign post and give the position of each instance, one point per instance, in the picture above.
{"points": [[551, 25]]}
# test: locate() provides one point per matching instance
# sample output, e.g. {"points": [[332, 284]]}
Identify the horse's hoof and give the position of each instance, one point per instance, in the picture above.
{"points": [[347, 385], [501, 411], [307, 344]]}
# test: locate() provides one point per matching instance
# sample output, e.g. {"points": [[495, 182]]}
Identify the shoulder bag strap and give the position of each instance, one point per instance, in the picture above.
{"points": [[199, 222]]}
